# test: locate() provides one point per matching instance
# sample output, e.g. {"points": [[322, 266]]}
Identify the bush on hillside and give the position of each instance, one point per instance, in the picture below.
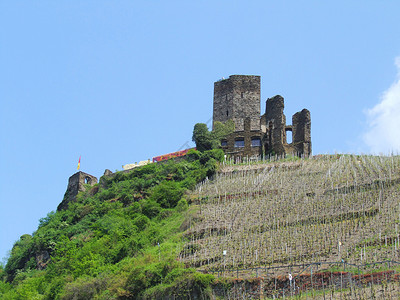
{"points": [[167, 194], [104, 232]]}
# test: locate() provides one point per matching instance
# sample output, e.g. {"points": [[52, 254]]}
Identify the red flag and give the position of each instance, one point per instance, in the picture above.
{"points": [[79, 163]]}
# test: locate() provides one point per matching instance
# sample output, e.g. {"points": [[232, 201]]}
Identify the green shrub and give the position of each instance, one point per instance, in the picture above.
{"points": [[182, 284], [134, 209], [193, 155], [45, 221], [85, 288], [4, 287], [166, 213], [189, 183], [167, 194], [217, 154], [150, 208], [202, 137], [182, 205], [21, 255], [141, 222]]}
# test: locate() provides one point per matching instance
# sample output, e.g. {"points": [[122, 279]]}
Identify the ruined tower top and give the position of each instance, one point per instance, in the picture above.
{"points": [[238, 98], [76, 184]]}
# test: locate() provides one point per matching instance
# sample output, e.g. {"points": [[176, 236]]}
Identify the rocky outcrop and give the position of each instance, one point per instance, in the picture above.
{"points": [[42, 259]]}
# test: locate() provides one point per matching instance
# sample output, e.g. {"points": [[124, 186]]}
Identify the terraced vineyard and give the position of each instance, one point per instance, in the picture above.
{"points": [[326, 208]]}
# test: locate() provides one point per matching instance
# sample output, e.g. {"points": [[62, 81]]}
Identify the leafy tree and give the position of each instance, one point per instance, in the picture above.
{"points": [[141, 222], [208, 140], [202, 137]]}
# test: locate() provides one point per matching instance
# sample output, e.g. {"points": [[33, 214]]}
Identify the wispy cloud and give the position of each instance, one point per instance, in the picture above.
{"points": [[383, 134]]}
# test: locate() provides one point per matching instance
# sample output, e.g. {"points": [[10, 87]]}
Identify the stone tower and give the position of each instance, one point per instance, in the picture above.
{"points": [[76, 184], [238, 98]]}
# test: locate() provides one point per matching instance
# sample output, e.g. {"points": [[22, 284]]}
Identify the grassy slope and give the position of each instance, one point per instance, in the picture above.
{"points": [[119, 240]]}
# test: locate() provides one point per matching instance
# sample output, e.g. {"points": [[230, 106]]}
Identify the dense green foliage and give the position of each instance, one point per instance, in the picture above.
{"points": [[119, 240], [207, 140]]}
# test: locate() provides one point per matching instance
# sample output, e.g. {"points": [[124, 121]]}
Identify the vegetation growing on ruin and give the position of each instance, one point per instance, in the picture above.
{"points": [[207, 140]]}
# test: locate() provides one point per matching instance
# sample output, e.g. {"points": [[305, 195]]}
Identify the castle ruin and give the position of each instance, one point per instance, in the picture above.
{"points": [[76, 183], [238, 99]]}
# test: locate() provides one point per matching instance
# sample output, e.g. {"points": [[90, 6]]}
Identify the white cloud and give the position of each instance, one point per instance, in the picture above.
{"points": [[383, 134]]}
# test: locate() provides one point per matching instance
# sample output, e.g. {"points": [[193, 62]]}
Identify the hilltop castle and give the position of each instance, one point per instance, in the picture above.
{"points": [[238, 99]]}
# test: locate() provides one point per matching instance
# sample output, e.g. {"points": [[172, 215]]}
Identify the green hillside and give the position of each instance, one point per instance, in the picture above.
{"points": [[119, 240], [206, 228]]}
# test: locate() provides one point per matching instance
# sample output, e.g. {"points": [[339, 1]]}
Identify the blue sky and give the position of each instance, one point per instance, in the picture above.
{"points": [[122, 81]]}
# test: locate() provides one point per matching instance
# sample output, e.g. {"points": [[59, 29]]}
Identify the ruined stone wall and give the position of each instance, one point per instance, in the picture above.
{"points": [[76, 184], [248, 136], [275, 123], [302, 132], [238, 98]]}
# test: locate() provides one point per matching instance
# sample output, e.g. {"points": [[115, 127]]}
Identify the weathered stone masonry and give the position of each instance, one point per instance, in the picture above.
{"points": [[238, 98], [76, 184]]}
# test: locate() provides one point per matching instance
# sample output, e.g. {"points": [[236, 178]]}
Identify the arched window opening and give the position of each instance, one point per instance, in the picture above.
{"points": [[87, 180]]}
